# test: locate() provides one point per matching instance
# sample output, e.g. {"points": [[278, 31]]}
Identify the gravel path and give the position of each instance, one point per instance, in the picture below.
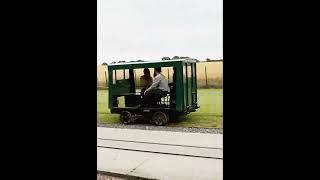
{"points": [[163, 128], [106, 177], [112, 176]]}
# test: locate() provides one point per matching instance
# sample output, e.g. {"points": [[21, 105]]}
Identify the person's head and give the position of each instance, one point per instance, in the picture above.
{"points": [[146, 72], [157, 71]]}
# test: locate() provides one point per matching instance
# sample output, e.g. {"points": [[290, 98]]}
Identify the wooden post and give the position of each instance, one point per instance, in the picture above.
{"points": [[168, 75], [205, 71], [105, 75]]}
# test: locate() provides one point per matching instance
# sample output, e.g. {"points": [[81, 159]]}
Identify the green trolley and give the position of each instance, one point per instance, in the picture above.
{"points": [[124, 94]]}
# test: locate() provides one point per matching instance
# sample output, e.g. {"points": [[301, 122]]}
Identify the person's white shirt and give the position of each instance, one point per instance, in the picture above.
{"points": [[160, 82]]}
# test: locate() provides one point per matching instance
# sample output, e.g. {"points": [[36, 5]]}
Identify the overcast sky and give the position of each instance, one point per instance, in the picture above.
{"points": [[151, 29]]}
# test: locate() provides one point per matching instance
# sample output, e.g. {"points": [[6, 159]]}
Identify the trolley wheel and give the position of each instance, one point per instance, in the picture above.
{"points": [[159, 118], [125, 117]]}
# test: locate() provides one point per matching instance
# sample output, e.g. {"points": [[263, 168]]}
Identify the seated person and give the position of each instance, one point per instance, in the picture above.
{"points": [[158, 89], [145, 80]]}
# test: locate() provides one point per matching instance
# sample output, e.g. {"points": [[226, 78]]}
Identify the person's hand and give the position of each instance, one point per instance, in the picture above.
{"points": [[145, 92]]}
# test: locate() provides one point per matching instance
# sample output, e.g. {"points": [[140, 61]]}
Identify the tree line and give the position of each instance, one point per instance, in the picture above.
{"points": [[164, 59]]}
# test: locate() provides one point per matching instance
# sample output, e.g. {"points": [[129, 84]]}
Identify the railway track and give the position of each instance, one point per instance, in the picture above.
{"points": [[161, 148]]}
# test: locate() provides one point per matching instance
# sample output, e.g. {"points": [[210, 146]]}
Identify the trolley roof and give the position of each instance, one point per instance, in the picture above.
{"points": [[163, 63]]}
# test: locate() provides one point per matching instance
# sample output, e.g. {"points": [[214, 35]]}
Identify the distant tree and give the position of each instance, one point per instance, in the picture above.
{"points": [[184, 57], [113, 62], [175, 57], [210, 60], [165, 58], [140, 60], [121, 61], [104, 64], [213, 60]]}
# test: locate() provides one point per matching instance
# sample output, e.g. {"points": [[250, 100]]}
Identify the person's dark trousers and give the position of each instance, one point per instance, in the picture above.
{"points": [[151, 97]]}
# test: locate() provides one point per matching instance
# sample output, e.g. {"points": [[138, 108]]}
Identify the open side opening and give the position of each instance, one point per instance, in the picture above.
{"points": [[128, 86]]}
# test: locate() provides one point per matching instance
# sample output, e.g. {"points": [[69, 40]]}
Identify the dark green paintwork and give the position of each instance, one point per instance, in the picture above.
{"points": [[179, 87], [110, 89]]}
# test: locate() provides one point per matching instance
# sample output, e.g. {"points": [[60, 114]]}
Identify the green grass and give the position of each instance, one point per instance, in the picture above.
{"points": [[209, 114]]}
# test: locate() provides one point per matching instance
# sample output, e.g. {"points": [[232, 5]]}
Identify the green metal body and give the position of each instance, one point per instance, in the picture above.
{"points": [[186, 82]]}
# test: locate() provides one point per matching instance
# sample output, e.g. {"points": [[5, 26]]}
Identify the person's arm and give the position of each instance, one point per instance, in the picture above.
{"points": [[155, 83]]}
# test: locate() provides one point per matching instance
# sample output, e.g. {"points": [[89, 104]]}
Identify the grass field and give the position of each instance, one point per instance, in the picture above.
{"points": [[209, 114], [213, 69]]}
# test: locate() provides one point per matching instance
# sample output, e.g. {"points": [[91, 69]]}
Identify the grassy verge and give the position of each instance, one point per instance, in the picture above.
{"points": [[209, 114]]}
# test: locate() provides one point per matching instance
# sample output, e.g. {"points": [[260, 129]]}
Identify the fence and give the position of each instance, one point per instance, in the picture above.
{"points": [[209, 75]]}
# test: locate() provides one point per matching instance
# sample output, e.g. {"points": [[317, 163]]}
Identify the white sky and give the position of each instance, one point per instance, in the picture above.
{"points": [[151, 29]]}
